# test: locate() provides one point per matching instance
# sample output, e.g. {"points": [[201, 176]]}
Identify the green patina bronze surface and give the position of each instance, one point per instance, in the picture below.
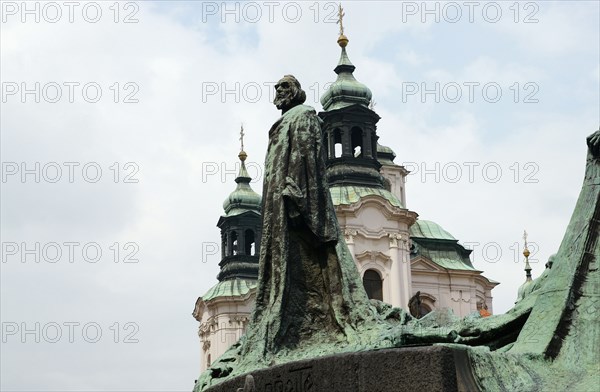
{"points": [[428, 229], [311, 303]]}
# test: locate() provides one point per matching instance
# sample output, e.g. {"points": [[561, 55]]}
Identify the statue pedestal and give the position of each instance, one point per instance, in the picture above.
{"points": [[425, 368]]}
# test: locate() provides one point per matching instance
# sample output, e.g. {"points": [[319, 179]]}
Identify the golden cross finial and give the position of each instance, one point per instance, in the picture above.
{"points": [[340, 20], [242, 136], [526, 252]]}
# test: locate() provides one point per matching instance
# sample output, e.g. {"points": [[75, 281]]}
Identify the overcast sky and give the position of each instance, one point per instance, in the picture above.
{"points": [[139, 173]]}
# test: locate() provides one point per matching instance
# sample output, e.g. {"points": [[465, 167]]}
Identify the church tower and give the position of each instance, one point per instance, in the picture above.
{"points": [[240, 229], [373, 218], [349, 131], [224, 311]]}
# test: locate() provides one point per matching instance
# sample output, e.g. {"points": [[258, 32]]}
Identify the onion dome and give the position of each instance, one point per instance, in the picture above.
{"points": [[243, 198], [346, 90]]}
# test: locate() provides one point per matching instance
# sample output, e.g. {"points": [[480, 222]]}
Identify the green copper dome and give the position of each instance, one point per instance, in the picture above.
{"points": [[230, 288], [439, 246], [385, 155], [429, 229], [346, 90], [243, 198]]}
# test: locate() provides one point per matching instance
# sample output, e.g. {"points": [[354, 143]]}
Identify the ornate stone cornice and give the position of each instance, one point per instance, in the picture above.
{"points": [[240, 319], [397, 240], [388, 210], [372, 235], [373, 256], [198, 309]]}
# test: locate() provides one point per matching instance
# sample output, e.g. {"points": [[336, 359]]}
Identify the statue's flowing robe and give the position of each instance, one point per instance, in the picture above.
{"points": [[309, 290]]}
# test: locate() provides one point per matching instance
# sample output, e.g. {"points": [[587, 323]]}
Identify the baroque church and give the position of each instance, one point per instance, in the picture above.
{"points": [[397, 254]]}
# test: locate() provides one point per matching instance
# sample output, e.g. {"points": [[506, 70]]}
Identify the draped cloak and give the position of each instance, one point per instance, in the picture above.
{"points": [[309, 291]]}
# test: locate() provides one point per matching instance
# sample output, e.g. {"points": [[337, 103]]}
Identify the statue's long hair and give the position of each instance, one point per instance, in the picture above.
{"points": [[299, 94]]}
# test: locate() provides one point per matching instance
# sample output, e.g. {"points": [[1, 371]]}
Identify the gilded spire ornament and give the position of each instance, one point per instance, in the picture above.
{"points": [[340, 20], [342, 40], [242, 155], [526, 253]]}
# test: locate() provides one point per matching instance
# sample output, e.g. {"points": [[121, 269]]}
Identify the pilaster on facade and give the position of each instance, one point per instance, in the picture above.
{"points": [[396, 175], [349, 235], [205, 345], [395, 239], [399, 271]]}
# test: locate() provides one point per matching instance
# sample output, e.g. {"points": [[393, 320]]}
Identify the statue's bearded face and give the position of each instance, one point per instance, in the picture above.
{"points": [[285, 92]]}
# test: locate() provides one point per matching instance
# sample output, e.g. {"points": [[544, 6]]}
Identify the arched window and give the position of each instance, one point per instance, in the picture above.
{"points": [[427, 303], [356, 137], [373, 284], [224, 246], [424, 309], [387, 184], [337, 141], [249, 243], [234, 244], [208, 361]]}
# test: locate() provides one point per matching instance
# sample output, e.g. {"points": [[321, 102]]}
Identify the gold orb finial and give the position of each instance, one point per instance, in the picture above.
{"points": [[342, 41], [242, 155]]}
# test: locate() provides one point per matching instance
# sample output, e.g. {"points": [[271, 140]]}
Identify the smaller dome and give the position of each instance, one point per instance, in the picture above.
{"points": [[384, 149], [429, 229], [385, 155], [346, 90], [243, 198]]}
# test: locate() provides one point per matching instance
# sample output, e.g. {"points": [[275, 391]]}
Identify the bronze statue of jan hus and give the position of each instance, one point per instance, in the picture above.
{"points": [[310, 300], [309, 291]]}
